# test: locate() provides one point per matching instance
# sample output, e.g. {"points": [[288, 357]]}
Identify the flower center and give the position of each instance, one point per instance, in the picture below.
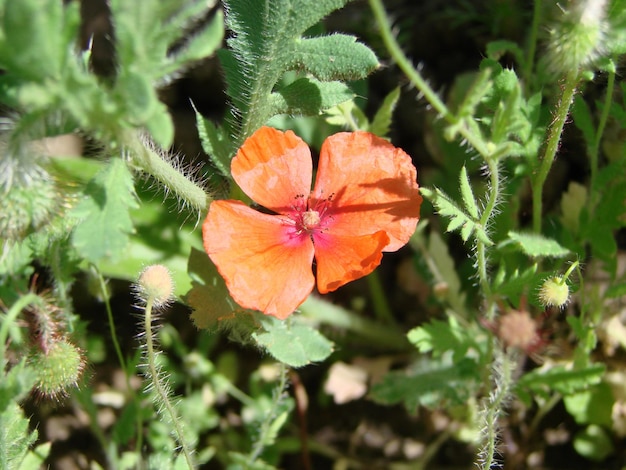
{"points": [[310, 219]]}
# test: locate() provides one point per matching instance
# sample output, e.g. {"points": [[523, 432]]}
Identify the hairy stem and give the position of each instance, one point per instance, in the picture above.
{"points": [[554, 137], [475, 140], [503, 374], [159, 388], [271, 415], [151, 162]]}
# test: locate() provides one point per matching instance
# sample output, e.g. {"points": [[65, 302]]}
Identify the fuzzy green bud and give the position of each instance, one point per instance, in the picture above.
{"points": [[58, 369], [554, 292], [576, 40], [155, 283]]}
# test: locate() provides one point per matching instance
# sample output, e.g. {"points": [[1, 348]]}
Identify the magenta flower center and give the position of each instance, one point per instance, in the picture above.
{"points": [[310, 216]]}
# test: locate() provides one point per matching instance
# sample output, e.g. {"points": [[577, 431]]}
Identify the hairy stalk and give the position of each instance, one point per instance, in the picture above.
{"points": [[532, 44], [481, 248], [152, 163], [161, 390], [382, 311], [504, 365], [554, 137], [475, 140], [606, 108], [270, 417]]}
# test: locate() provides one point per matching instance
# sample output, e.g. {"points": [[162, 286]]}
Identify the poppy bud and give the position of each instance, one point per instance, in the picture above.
{"points": [[576, 39], [57, 369], [155, 283]]}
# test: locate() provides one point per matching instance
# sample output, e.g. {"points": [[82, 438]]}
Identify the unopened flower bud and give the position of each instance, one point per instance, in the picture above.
{"points": [[576, 39], [554, 292], [156, 283], [58, 369]]}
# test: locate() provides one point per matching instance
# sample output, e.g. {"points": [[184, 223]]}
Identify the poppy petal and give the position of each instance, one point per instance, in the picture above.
{"points": [[265, 267], [341, 259], [273, 168], [371, 185]]}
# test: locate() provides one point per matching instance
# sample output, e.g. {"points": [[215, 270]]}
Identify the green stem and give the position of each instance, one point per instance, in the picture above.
{"points": [[476, 141], [270, 417], [481, 247], [159, 388], [382, 311], [552, 145], [107, 306], [504, 380], [9, 319], [151, 162]]}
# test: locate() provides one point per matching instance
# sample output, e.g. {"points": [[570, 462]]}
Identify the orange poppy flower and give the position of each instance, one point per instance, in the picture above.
{"points": [[365, 201]]}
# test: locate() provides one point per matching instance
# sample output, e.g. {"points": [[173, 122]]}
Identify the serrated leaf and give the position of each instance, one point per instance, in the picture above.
{"points": [[467, 194], [440, 337], [333, 57], [536, 245], [291, 342], [459, 219], [214, 143], [562, 380], [104, 212], [431, 384], [345, 114], [382, 119], [307, 96], [15, 437]]}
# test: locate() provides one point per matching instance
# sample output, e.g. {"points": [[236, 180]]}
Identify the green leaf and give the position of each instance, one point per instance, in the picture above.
{"points": [[292, 342], [215, 143], [594, 443], [591, 406], [202, 44], [308, 96], [382, 119], [467, 194], [16, 384], [561, 379], [161, 126], [535, 245], [432, 384], [37, 26], [334, 57], [267, 41], [15, 437], [35, 458], [441, 337], [104, 210], [458, 218]]}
